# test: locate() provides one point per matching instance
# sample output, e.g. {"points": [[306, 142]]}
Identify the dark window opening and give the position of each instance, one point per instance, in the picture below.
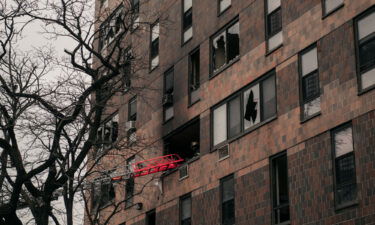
{"points": [[274, 24], [107, 133], [185, 210], [155, 48], [130, 184], [185, 142], [227, 200], [111, 27], [226, 46], [168, 110], [194, 76], [188, 19], [280, 196], [310, 86], [367, 55], [103, 194], [151, 217]]}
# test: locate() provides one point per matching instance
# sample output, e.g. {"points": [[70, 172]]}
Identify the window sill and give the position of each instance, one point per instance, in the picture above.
{"points": [[332, 11], [151, 70], [193, 103], [363, 91], [305, 119], [347, 205], [223, 11], [233, 61], [245, 132], [166, 121], [269, 52], [187, 41]]}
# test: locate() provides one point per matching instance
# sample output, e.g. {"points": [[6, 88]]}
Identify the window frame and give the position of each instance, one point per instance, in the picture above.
{"points": [[129, 200], [334, 131], [150, 47], [183, 29], [221, 12], [357, 44], [224, 29], [267, 36], [190, 75], [325, 13], [170, 70], [131, 101], [103, 146], [240, 93], [300, 81], [222, 180], [182, 198], [272, 179]]}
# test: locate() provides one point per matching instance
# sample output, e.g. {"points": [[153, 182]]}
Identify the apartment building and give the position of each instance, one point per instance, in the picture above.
{"points": [[271, 103]]}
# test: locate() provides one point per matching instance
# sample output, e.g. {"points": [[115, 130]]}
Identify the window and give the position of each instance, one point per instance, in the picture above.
{"points": [[255, 103], [185, 209], [151, 217], [227, 200], [103, 194], [129, 186], [132, 109], [168, 95], [111, 27], [365, 31], [108, 132], [274, 34], [330, 6], [184, 141], [132, 117], [135, 12], [194, 76], [225, 46], [126, 70], [187, 20], [309, 82], [154, 46], [344, 166], [223, 5], [279, 187]]}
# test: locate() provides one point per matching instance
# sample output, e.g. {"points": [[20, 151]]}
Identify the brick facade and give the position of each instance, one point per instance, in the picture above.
{"points": [[308, 143]]}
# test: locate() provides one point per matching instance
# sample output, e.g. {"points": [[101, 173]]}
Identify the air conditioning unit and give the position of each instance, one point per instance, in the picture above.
{"points": [[130, 125], [183, 171], [223, 152], [167, 99]]}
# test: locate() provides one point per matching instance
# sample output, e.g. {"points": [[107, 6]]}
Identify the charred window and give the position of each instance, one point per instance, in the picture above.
{"points": [[225, 46], [280, 193], [187, 20], [365, 32], [168, 110], [194, 76], [309, 82], [274, 35], [111, 27], [345, 175], [108, 132], [227, 200], [184, 141], [154, 50]]}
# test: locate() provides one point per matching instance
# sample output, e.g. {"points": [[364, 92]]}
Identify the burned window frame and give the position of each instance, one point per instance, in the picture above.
{"points": [[155, 42], [185, 221], [186, 16], [101, 139], [130, 184], [229, 178], [168, 92], [240, 94], [317, 96], [274, 193], [227, 63], [333, 10], [335, 159], [194, 76], [103, 41], [358, 42], [267, 20]]}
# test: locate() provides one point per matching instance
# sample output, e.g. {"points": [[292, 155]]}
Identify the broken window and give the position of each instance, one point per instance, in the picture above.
{"points": [[194, 77], [226, 46], [227, 200], [111, 27], [257, 104], [185, 204], [310, 82], [103, 194], [344, 163], [274, 35], [331, 5], [168, 110], [223, 5], [154, 46], [108, 133], [187, 20], [129, 186], [184, 141], [279, 187], [365, 31]]}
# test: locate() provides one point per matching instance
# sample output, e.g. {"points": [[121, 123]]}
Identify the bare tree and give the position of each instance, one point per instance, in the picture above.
{"points": [[50, 123]]}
